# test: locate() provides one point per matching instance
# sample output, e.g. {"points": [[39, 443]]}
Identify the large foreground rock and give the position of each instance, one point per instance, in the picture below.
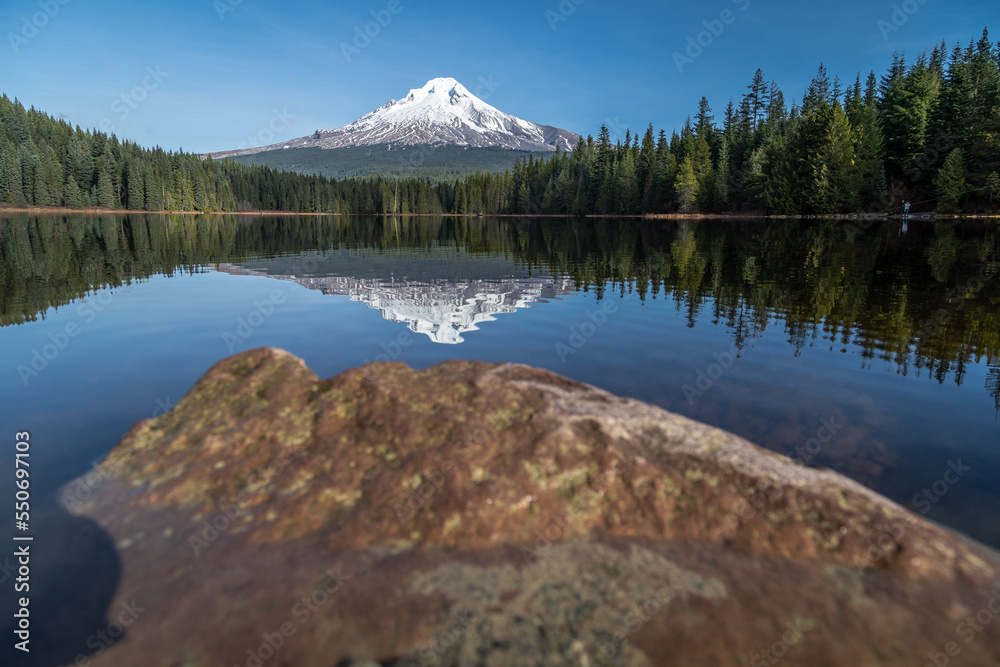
{"points": [[482, 514]]}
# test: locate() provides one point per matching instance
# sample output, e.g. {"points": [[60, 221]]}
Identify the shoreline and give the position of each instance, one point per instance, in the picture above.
{"points": [[52, 210]]}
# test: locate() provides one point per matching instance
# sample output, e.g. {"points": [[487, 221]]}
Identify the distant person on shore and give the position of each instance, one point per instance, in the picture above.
{"points": [[906, 209]]}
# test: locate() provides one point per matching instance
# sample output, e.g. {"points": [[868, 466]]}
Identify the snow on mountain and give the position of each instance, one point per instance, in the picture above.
{"points": [[443, 111], [441, 309]]}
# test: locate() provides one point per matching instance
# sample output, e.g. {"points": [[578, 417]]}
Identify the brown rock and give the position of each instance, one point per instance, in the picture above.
{"points": [[476, 513]]}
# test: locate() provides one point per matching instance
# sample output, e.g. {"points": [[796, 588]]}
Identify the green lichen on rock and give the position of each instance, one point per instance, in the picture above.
{"points": [[526, 518], [520, 432]]}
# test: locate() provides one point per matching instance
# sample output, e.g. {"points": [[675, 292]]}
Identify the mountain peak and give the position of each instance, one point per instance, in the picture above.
{"points": [[443, 92], [442, 85], [442, 111]]}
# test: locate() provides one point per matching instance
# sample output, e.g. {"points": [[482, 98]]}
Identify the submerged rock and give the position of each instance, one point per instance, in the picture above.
{"points": [[497, 514]]}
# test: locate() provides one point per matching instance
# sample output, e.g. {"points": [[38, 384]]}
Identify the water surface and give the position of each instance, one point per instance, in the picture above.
{"points": [[873, 352]]}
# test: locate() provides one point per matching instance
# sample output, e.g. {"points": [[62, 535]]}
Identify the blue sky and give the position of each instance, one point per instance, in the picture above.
{"points": [[212, 74]]}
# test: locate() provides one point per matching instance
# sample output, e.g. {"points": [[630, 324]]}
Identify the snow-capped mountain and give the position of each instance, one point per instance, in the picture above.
{"points": [[432, 295], [443, 111]]}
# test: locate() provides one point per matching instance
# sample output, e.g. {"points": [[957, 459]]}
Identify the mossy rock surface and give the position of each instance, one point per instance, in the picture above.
{"points": [[497, 514]]}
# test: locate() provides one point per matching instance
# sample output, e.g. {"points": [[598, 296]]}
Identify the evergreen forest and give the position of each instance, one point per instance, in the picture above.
{"points": [[925, 131]]}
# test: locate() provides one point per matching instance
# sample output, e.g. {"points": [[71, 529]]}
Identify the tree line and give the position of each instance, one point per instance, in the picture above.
{"points": [[926, 131], [893, 296]]}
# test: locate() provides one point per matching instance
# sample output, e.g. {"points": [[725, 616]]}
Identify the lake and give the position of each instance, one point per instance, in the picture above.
{"points": [[869, 348]]}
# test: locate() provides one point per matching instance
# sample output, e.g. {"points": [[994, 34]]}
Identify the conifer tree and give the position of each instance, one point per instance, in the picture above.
{"points": [[950, 182], [73, 197], [136, 192], [105, 189], [41, 189], [461, 198], [687, 185], [993, 185]]}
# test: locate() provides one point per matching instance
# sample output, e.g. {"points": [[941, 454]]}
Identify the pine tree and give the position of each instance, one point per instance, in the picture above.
{"points": [[701, 161], [844, 178], [461, 198], [757, 100], [647, 154], [776, 111], [152, 194], [522, 200], [687, 185], [993, 185], [950, 182], [705, 121], [782, 190], [105, 189], [199, 196], [136, 192], [79, 162], [722, 176], [73, 197], [13, 189], [906, 111], [626, 187], [822, 194], [42, 196], [869, 147], [839, 150]]}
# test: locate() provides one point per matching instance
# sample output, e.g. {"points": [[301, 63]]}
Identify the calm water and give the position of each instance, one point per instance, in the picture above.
{"points": [[889, 337]]}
